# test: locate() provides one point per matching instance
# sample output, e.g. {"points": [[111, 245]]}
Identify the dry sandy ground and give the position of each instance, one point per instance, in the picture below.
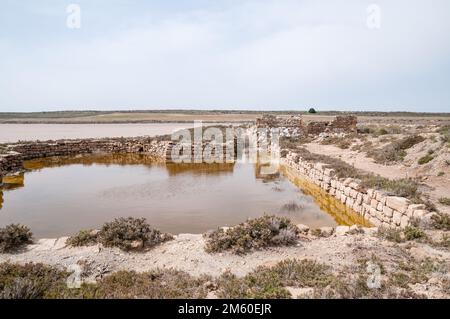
{"points": [[186, 252]]}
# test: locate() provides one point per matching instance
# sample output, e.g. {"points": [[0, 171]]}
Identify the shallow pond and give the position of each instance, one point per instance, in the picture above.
{"points": [[10, 133], [59, 196]]}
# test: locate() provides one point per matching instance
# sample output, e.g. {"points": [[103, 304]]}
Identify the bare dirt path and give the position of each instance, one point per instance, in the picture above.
{"points": [[360, 161]]}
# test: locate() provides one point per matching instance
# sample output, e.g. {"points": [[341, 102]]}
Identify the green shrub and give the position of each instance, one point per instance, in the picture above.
{"points": [[83, 238], [13, 237], [395, 151], [157, 284], [256, 285], [253, 234], [131, 234], [444, 201], [382, 131], [425, 159], [412, 233], [404, 187], [441, 221], [270, 282], [312, 111], [29, 281], [390, 234]]}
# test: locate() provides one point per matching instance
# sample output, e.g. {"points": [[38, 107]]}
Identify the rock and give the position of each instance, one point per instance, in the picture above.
{"points": [[399, 204], [60, 243], [427, 220], [342, 230], [380, 207], [211, 295], [404, 221], [412, 208], [136, 244], [303, 228], [374, 203], [419, 214], [396, 217], [370, 231], [326, 231], [300, 292], [388, 212]]}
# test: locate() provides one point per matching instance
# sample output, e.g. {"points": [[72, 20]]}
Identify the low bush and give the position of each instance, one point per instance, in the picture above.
{"points": [[441, 221], [444, 201], [29, 281], [255, 233], [413, 233], [130, 234], [395, 151], [157, 284], [391, 234], [14, 236], [342, 142], [425, 159], [270, 282], [83, 238]]}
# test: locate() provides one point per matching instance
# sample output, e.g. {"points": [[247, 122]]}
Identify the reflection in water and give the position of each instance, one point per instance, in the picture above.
{"points": [[200, 168], [341, 213], [66, 194]]}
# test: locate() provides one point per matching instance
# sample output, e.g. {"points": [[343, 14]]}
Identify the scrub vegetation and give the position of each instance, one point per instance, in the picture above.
{"points": [[255, 233]]}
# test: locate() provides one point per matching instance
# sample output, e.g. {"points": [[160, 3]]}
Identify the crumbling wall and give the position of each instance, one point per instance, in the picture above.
{"points": [[13, 155], [340, 124], [269, 121]]}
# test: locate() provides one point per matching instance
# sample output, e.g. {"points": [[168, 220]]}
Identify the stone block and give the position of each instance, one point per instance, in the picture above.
{"points": [[399, 204]]}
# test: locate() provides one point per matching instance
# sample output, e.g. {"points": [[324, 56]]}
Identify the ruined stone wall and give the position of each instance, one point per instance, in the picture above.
{"points": [[13, 155], [340, 124], [343, 124], [269, 120], [373, 205]]}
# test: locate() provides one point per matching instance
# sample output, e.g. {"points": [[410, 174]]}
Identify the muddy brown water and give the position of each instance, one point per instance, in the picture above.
{"points": [[60, 196]]}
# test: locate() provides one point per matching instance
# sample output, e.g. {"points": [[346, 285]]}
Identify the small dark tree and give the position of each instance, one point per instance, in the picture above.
{"points": [[312, 110]]}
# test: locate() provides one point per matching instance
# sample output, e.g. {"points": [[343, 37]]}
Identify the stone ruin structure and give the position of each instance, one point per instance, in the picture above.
{"points": [[295, 125]]}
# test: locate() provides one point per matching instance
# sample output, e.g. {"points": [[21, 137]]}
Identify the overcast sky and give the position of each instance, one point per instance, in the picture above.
{"points": [[225, 54]]}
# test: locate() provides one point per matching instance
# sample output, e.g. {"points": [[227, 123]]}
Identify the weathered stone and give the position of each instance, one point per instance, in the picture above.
{"points": [[374, 203], [396, 218], [303, 228], [359, 198], [387, 211], [349, 202], [413, 207], [419, 214], [354, 185], [342, 230], [326, 231], [347, 191], [399, 204], [370, 231], [404, 221], [380, 207]]}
